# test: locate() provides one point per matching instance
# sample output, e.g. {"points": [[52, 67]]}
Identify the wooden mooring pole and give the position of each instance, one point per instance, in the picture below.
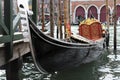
{"points": [[107, 19], [52, 18], [107, 15], [35, 10], [115, 38], [67, 27], [60, 31], [12, 70], [65, 17], [60, 18], [43, 16]]}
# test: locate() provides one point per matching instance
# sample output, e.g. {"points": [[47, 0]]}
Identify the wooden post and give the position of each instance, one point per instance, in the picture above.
{"points": [[59, 19], [43, 17], [107, 15], [69, 19], [39, 10], [107, 19], [12, 70], [51, 18], [8, 16], [66, 19], [1, 31], [115, 38], [35, 11], [69, 11]]}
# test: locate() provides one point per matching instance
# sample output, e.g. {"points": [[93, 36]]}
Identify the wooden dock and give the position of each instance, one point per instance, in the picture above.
{"points": [[12, 46], [13, 65], [20, 48]]}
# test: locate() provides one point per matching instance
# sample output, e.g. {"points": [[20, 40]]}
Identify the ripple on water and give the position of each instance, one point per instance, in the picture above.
{"points": [[111, 70]]}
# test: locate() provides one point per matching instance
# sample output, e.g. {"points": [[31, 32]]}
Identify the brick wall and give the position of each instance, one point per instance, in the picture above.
{"points": [[99, 4]]}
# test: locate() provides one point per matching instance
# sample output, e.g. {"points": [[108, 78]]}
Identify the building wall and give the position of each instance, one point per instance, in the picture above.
{"points": [[98, 4]]}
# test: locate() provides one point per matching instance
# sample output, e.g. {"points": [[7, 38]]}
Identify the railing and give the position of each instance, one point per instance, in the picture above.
{"points": [[8, 26]]}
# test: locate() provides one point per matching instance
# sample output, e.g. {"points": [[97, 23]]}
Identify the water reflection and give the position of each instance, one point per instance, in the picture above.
{"points": [[29, 72], [84, 72], [111, 70], [107, 67], [2, 75]]}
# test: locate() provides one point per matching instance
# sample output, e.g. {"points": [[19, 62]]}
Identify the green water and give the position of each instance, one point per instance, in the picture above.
{"points": [[106, 67]]}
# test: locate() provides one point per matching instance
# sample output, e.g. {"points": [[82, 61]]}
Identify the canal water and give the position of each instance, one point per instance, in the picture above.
{"points": [[106, 67]]}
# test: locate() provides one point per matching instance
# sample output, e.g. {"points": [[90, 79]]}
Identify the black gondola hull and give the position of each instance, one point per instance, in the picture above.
{"points": [[56, 55]]}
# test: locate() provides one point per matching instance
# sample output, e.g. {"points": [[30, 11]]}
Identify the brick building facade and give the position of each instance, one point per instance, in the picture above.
{"points": [[97, 8]]}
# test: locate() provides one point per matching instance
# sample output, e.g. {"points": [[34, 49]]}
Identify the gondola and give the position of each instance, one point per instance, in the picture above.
{"points": [[51, 54]]}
